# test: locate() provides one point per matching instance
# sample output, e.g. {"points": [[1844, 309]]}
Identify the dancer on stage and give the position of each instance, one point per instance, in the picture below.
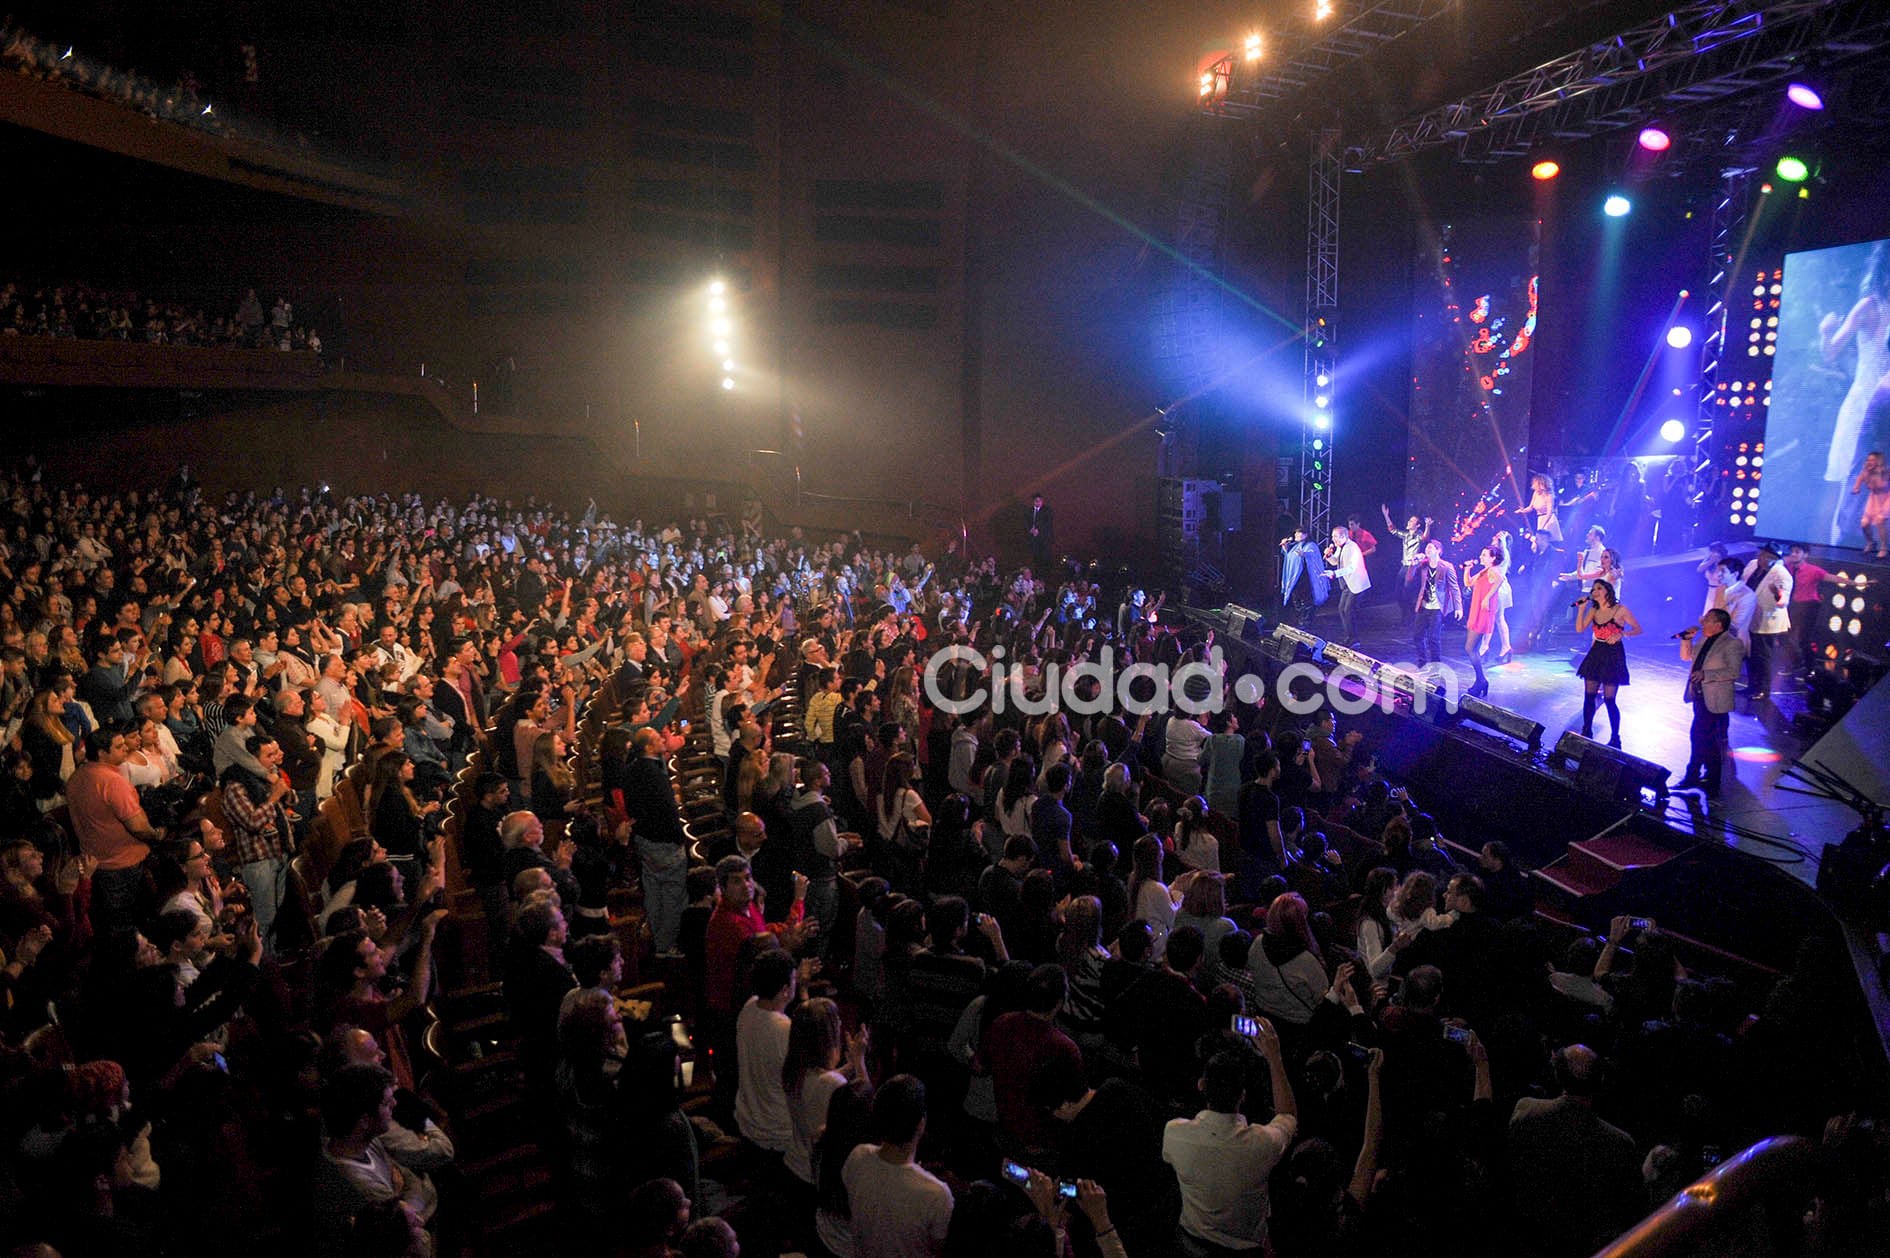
{"points": [[1439, 598], [1505, 596], [1412, 537], [1717, 656], [1604, 669], [1876, 478], [1771, 583], [1541, 508], [1480, 614]]}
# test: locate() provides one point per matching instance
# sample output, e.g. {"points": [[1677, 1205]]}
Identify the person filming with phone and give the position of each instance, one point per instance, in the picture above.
{"points": [[1223, 1161]]}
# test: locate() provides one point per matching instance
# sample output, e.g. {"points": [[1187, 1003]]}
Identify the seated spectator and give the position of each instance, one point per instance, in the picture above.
{"points": [[356, 1167]]}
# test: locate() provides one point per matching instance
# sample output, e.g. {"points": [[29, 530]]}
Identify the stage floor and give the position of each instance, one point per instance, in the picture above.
{"points": [[1752, 814]]}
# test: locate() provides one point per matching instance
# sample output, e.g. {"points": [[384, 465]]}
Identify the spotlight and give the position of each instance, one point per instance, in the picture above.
{"points": [[728, 382], [1672, 431], [728, 364], [1792, 169], [1655, 140], [717, 305], [1322, 421], [1322, 401], [1322, 380], [717, 287], [721, 348], [722, 327], [1679, 336], [1322, 9], [1616, 206], [1253, 46], [1805, 96], [1545, 170]]}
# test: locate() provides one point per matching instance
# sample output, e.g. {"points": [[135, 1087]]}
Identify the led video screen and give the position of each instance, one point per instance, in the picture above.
{"points": [[1474, 327], [1830, 392]]}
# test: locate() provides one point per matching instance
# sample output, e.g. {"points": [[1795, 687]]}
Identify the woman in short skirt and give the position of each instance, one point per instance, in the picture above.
{"points": [[1604, 669]]}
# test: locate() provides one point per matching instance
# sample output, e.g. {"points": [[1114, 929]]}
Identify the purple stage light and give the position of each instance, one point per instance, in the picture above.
{"points": [[1805, 96], [1655, 139]]}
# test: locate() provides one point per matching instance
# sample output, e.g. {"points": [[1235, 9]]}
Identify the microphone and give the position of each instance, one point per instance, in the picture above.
{"points": [[1688, 632], [1578, 602]]}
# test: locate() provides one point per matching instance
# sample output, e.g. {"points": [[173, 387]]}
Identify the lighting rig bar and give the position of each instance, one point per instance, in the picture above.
{"points": [[1702, 51], [1283, 72]]}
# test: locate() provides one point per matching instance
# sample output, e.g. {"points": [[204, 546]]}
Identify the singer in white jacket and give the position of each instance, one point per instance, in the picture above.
{"points": [[1348, 568]]}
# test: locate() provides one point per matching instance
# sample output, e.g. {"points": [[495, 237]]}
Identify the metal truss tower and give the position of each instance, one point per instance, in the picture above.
{"points": [[1318, 427], [1731, 204]]}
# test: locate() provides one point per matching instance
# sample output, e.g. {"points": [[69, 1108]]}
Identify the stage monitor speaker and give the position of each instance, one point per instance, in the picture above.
{"points": [[1244, 622], [1230, 511], [1604, 772], [1503, 721]]}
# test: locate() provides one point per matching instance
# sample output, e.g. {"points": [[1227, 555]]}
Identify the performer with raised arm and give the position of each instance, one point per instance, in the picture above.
{"points": [[1412, 537]]}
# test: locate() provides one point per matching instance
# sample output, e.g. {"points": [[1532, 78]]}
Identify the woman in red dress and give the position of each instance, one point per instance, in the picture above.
{"points": [[1479, 613]]}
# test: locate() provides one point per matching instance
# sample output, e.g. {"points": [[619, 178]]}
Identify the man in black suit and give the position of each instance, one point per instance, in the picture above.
{"points": [[1039, 531], [662, 847], [536, 979], [1469, 951], [461, 697]]}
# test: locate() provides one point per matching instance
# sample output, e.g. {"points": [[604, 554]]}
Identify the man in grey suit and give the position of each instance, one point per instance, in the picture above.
{"points": [[1717, 657]]}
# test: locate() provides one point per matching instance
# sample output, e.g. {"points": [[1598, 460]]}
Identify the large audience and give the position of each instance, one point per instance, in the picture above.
{"points": [[787, 958], [86, 313]]}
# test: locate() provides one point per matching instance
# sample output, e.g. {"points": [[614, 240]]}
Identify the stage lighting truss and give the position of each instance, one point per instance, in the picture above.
{"points": [[1701, 51], [1318, 432], [1293, 62]]}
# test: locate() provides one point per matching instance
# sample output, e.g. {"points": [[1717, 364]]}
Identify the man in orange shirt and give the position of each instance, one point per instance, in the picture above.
{"points": [[112, 830]]}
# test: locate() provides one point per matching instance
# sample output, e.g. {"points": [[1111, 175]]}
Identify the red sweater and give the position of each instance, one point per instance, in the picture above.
{"points": [[727, 931]]}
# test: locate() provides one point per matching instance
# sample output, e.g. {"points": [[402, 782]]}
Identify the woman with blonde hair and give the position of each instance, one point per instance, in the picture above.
{"points": [[552, 782], [48, 743]]}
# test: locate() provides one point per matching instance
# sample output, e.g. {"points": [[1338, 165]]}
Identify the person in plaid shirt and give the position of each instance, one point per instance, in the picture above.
{"points": [[261, 836]]}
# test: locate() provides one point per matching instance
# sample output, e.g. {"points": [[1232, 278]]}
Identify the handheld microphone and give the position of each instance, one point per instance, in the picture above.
{"points": [[1688, 632], [1578, 602]]}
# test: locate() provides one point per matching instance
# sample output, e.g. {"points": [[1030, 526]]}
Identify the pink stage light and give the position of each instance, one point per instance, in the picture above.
{"points": [[1805, 96], [1655, 140]]}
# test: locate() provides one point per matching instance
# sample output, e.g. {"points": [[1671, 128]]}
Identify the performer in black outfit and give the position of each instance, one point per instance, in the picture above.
{"points": [[1604, 669]]}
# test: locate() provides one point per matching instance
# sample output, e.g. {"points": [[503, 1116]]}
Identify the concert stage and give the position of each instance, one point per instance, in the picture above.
{"points": [[1757, 812], [1736, 875]]}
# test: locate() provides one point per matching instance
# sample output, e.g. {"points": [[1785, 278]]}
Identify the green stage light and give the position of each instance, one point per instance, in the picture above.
{"points": [[1793, 169]]}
